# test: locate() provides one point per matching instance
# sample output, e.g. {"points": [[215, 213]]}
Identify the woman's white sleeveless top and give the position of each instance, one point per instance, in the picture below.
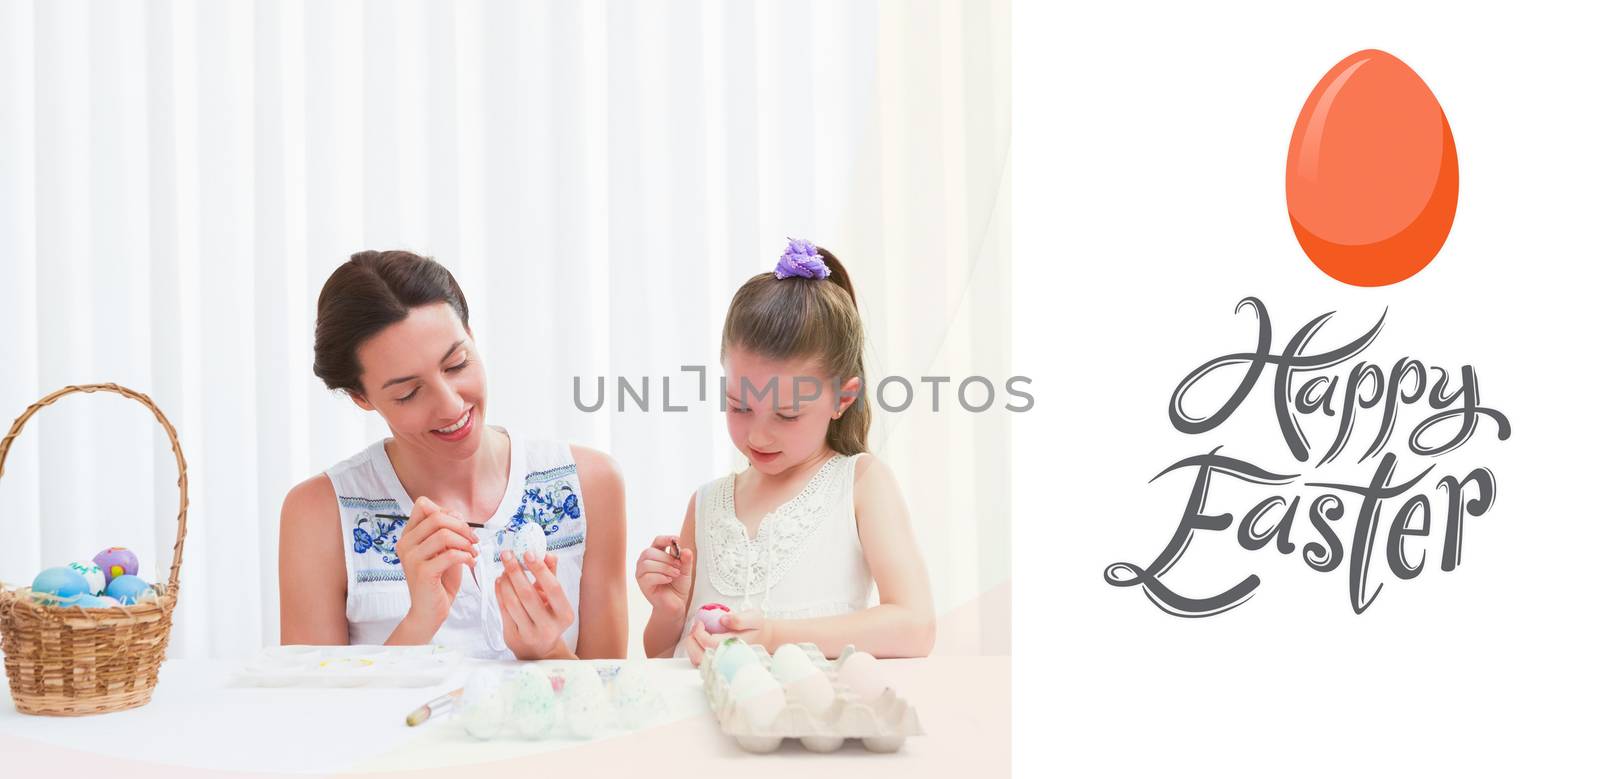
{"points": [[805, 560], [542, 488]]}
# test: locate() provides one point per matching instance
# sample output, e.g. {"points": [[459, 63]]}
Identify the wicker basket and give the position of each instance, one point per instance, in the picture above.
{"points": [[74, 661]]}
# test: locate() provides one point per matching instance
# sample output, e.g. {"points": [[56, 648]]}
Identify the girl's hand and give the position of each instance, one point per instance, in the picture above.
{"points": [[432, 548], [535, 613], [665, 579], [752, 626], [697, 642]]}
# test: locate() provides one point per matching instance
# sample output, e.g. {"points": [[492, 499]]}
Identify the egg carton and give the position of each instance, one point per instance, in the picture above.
{"points": [[882, 725], [360, 665]]}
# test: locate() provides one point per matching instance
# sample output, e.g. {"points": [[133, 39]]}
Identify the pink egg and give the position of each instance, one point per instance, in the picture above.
{"points": [[710, 615], [861, 672], [757, 695]]}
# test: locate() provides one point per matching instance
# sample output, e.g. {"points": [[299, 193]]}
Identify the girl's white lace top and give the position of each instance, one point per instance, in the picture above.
{"points": [[804, 561]]}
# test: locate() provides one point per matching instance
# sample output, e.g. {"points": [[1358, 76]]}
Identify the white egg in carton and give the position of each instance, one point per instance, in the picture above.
{"points": [[822, 724], [348, 666]]}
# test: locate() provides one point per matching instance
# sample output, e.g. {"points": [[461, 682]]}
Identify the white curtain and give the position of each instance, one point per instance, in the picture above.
{"points": [[177, 179]]}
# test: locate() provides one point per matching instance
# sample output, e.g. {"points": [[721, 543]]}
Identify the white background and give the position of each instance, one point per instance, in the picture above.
{"points": [[1151, 144]]}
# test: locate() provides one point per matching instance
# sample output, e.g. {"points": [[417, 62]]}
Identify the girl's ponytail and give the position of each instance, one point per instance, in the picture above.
{"points": [[837, 274]]}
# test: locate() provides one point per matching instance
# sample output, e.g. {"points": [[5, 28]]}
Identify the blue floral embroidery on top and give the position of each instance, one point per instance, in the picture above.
{"points": [[379, 534], [548, 504]]}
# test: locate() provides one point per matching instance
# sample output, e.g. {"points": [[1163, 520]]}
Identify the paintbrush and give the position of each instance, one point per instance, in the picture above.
{"points": [[402, 516], [433, 707]]}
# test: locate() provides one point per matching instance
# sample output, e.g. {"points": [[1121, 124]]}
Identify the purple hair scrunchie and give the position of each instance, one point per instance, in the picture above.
{"points": [[802, 260]]}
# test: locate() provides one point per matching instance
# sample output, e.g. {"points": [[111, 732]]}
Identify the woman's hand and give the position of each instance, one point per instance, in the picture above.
{"points": [[535, 612], [432, 548], [665, 579]]}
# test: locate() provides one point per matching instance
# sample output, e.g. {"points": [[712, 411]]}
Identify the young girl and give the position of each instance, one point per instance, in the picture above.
{"points": [[406, 541], [793, 544]]}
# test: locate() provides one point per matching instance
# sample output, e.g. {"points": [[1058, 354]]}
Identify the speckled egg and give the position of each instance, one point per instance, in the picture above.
{"points": [[484, 707], [583, 701], [60, 582], [534, 710], [635, 698]]}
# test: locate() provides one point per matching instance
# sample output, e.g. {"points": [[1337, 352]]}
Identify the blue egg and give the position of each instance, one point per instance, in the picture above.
{"points": [[732, 655], [127, 588], [86, 600], [61, 582]]}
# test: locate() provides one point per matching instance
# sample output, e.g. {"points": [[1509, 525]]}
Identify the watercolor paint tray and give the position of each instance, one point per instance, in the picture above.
{"points": [[881, 725], [348, 666]]}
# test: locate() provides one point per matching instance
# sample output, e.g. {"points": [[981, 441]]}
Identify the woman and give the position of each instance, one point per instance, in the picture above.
{"points": [[408, 541]]}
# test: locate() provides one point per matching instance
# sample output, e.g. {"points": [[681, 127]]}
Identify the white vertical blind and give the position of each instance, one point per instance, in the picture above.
{"points": [[177, 179]]}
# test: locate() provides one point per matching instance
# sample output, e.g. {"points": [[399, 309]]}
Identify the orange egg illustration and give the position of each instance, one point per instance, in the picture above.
{"points": [[1372, 178]]}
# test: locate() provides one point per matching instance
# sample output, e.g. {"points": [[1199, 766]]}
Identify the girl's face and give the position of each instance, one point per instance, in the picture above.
{"points": [[424, 376], [779, 410]]}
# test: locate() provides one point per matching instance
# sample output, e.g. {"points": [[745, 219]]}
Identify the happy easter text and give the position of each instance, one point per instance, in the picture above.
{"points": [[1299, 393]]}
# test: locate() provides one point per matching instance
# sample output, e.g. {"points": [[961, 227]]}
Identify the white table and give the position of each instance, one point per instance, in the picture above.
{"points": [[198, 724]]}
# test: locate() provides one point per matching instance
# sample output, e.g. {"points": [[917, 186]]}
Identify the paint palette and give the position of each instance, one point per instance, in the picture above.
{"points": [[882, 724], [348, 666]]}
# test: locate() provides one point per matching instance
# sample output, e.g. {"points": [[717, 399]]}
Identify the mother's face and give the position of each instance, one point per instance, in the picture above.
{"points": [[423, 374]]}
